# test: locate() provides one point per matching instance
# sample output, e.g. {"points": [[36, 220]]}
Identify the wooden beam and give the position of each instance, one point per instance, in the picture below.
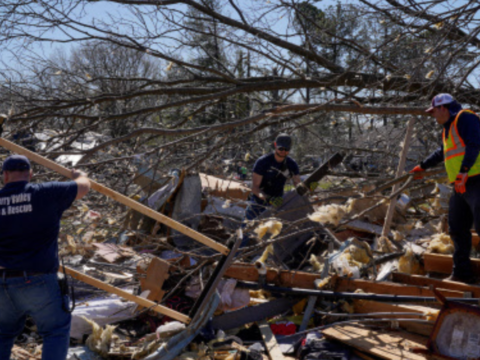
{"points": [[443, 264], [125, 295], [424, 281], [287, 278], [118, 197], [349, 285], [270, 341]]}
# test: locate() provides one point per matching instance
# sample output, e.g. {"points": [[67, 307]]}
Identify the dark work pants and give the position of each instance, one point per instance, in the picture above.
{"points": [[464, 211]]}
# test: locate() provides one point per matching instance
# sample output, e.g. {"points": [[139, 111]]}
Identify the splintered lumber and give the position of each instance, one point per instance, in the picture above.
{"points": [[118, 197], [286, 278], [351, 285], [270, 341], [391, 345], [228, 189], [156, 274], [126, 295], [443, 264], [439, 284], [368, 306]]}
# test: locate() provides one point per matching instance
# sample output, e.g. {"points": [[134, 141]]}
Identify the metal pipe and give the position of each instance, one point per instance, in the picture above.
{"points": [[355, 296]]}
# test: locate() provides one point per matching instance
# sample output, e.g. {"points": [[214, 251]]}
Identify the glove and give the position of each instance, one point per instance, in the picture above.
{"points": [[301, 189], [417, 169], [276, 201], [460, 183]]}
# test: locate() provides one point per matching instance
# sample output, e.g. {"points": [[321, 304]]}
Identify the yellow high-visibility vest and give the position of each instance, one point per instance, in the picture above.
{"points": [[454, 151]]}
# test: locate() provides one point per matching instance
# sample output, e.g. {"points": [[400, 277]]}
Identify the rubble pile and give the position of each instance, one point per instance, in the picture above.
{"points": [[314, 279]]}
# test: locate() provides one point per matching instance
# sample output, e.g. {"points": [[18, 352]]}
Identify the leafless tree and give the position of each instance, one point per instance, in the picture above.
{"points": [[219, 78]]}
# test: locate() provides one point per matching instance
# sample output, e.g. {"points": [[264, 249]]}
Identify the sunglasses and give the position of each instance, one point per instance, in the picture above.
{"points": [[283, 149]]}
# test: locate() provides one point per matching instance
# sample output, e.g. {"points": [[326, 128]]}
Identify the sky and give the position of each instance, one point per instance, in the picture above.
{"points": [[100, 11]]}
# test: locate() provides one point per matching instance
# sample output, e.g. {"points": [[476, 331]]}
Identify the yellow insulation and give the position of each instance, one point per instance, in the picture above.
{"points": [[441, 244], [273, 227], [316, 264], [409, 264], [329, 214], [268, 251], [385, 245], [100, 339]]}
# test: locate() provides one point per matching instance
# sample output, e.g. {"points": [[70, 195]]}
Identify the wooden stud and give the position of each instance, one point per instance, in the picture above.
{"points": [[125, 295]]}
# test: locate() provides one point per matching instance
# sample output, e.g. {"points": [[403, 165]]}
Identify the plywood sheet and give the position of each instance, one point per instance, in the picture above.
{"points": [[391, 345]]}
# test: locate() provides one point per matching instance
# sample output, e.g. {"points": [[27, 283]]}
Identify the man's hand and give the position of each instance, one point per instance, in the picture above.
{"points": [[460, 183], [276, 201], [415, 170], [301, 189], [77, 173], [83, 183]]}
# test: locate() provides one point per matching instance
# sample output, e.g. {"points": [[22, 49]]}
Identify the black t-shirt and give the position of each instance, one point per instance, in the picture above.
{"points": [[29, 224], [275, 174]]}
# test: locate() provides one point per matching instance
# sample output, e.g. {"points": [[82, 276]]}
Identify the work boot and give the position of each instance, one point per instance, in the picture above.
{"points": [[467, 280]]}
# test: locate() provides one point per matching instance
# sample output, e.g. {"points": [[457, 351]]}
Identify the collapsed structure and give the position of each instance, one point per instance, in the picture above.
{"points": [[321, 271]]}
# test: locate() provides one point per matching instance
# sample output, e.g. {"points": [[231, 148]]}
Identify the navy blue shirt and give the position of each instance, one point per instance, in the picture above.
{"points": [[29, 224], [469, 129], [275, 174]]}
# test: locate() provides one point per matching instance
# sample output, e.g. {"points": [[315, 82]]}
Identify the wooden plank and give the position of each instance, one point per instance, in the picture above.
{"points": [[125, 295], [350, 285], [270, 341], [424, 281], [443, 264], [367, 306], [391, 345], [118, 197]]}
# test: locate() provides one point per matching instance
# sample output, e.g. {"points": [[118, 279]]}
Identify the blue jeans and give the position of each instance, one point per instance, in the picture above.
{"points": [[40, 297], [464, 210]]}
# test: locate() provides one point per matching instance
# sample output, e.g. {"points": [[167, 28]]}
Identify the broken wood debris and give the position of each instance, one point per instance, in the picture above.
{"points": [[309, 273]]}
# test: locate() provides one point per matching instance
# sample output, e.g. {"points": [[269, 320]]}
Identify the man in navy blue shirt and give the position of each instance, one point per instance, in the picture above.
{"points": [[270, 173], [460, 152], [29, 225]]}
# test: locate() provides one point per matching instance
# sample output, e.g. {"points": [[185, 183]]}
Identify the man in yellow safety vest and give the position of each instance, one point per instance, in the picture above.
{"points": [[460, 152]]}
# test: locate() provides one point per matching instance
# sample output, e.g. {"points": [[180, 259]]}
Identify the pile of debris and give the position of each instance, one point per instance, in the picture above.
{"points": [[342, 273]]}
